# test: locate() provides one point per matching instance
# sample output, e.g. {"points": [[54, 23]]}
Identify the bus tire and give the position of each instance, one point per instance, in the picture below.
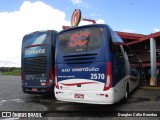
{"points": [[124, 100]]}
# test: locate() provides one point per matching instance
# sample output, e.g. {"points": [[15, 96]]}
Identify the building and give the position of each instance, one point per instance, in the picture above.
{"points": [[147, 48]]}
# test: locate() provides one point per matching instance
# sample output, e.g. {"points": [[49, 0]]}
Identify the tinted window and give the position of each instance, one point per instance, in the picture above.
{"points": [[81, 40], [35, 38], [115, 37], [133, 59], [117, 50]]}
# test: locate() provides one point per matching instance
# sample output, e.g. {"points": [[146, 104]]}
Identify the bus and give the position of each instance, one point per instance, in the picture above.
{"points": [[91, 66], [37, 62]]}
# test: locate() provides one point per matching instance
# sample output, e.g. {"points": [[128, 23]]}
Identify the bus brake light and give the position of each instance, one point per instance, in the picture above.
{"points": [[108, 77], [50, 78], [56, 82]]}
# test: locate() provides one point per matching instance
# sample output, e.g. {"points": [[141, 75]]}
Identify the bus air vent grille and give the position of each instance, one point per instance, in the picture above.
{"points": [[36, 65], [80, 59]]}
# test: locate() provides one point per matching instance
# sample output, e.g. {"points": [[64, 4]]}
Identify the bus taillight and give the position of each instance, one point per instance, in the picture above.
{"points": [[50, 81], [108, 77], [56, 82]]}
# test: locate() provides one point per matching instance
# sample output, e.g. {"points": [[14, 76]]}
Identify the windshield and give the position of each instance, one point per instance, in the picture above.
{"points": [[35, 39], [81, 40]]}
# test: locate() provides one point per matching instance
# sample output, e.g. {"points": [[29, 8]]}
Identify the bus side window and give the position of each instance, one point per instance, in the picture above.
{"points": [[133, 60], [117, 50], [115, 47]]}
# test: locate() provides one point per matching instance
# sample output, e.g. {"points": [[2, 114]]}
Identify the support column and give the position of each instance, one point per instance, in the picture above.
{"points": [[153, 59]]}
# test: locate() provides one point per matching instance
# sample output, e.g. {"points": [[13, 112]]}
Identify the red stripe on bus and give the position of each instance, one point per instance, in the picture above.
{"points": [[35, 45], [74, 84]]}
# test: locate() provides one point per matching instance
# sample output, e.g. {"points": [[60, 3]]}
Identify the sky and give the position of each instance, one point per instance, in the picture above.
{"points": [[19, 17]]}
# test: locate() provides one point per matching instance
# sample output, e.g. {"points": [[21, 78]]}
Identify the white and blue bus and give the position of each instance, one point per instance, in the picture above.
{"points": [[37, 59], [93, 67]]}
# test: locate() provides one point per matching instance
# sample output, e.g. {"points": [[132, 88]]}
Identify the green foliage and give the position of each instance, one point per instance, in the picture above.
{"points": [[11, 71]]}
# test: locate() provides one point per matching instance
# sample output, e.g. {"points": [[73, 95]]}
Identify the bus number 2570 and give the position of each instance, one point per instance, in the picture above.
{"points": [[97, 76]]}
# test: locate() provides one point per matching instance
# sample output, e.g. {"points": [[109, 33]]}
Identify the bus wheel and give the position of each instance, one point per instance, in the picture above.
{"points": [[124, 100]]}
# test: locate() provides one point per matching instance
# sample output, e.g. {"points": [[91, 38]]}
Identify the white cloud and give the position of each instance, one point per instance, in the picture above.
{"points": [[76, 2], [99, 21], [156, 29], [80, 3], [30, 17]]}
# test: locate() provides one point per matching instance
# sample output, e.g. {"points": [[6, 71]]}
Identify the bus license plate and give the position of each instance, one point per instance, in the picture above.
{"points": [[34, 89], [79, 96]]}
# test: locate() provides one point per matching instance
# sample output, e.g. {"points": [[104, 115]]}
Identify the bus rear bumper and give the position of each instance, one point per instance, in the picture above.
{"points": [[38, 89], [91, 97]]}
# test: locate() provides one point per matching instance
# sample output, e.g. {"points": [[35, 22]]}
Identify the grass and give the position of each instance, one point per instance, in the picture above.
{"points": [[13, 72]]}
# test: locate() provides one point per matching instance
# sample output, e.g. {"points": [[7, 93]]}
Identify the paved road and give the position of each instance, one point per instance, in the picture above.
{"points": [[13, 99]]}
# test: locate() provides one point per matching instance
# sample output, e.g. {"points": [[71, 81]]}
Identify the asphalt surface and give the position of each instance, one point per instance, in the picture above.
{"points": [[13, 99]]}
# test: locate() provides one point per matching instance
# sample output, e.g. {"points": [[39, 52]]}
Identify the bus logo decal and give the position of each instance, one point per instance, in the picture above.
{"points": [[30, 52], [79, 39]]}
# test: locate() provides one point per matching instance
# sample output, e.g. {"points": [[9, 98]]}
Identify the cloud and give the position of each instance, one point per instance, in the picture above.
{"points": [[30, 17], [156, 29], [76, 2], [99, 21], [80, 3]]}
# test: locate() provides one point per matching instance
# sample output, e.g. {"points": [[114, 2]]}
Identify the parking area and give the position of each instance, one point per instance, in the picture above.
{"points": [[13, 99]]}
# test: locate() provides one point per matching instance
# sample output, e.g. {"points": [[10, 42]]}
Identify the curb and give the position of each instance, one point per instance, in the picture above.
{"points": [[150, 88]]}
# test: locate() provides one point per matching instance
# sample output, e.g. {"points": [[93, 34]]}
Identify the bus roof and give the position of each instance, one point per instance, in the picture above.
{"points": [[40, 32], [90, 25], [116, 40]]}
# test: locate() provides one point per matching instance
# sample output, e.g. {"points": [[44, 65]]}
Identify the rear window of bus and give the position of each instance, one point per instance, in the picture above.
{"points": [[81, 40]]}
